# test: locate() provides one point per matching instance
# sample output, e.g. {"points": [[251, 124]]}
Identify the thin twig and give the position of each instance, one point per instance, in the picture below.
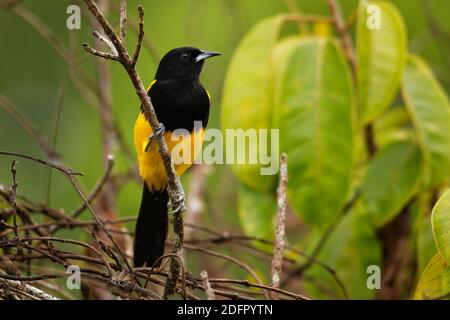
{"points": [[101, 224], [56, 160], [147, 42], [123, 21], [101, 54], [207, 286], [241, 264], [277, 261], [66, 171], [349, 51], [174, 189], [341, 29], [12, 198], [140, 35], [28, 289], [27, 125], [97, 188], [261, 286], [106, 41], [76, 242], [60, 104]]}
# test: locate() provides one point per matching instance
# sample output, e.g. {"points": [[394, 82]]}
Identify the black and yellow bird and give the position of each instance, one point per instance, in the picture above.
{"points": [[179, 99]]}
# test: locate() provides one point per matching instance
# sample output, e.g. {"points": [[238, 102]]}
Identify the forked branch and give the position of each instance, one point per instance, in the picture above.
{"points": [[175, 191]]}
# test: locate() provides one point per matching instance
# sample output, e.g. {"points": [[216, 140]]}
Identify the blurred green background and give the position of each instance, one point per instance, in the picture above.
{"points": [[32, 75]]}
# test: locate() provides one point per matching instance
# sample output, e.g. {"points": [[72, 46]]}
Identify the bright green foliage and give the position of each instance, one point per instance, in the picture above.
{"points": [[256, 211], [435, 280], [391, 180], [350, 250], [304, 86], [314, 100], [247, 93], [429, 109], [440, 220], [381, 55]]}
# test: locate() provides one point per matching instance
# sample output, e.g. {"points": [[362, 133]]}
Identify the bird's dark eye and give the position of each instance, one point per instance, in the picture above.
{"points": [[185, 56]]}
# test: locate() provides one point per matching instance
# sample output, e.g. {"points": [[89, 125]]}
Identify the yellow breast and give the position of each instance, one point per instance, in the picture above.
{"points": [[183, 148]]}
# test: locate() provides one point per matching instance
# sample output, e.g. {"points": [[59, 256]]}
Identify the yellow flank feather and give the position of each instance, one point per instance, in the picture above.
{"points": [[183, 149], [151, 84]]}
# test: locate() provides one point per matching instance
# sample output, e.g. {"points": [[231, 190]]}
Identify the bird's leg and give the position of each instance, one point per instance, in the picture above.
{"points": [[179, 206], [157, 134]]}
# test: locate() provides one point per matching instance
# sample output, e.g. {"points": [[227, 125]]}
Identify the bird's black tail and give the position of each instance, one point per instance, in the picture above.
{"points": [[151, 227]]}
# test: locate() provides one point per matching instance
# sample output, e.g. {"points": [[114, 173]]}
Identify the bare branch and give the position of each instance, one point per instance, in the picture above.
{"points": [[177, 248], [66, 171], [101, 54], [12, 198], [241, 264], [28, 289], [174, 189], [208, 290], [277, 261], [97, 189], [347, 46], [106, 41], [261, 286], [344, 37], [123, 21], [28, 126], [147, 42], [101, 224], [140, 35]]}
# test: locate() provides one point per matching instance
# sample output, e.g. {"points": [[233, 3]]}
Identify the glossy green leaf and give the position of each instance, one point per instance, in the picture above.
{"points": [[435, 280], [314, 98], [381, 55], [429, 109], [391, 180], [351, 248], [440, 220], [247, 94], [256, 212]]}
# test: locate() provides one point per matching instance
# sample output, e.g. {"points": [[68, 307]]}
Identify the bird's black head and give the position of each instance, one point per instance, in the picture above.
{"points": [[185, 62]]}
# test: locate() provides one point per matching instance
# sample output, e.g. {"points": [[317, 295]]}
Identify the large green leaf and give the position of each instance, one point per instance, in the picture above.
{"points": [[391, 180], [351, 248], [247, 94], [429, 109], [256, 212], [314, 98], [435, 280], [381, 55], [440, 221]]}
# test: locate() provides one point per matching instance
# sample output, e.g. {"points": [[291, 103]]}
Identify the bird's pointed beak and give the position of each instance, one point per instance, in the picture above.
{"points": [[205, 55]]}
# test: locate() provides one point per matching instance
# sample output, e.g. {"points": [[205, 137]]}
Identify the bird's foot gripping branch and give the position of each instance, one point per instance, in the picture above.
{"points": [[156, 135]]}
